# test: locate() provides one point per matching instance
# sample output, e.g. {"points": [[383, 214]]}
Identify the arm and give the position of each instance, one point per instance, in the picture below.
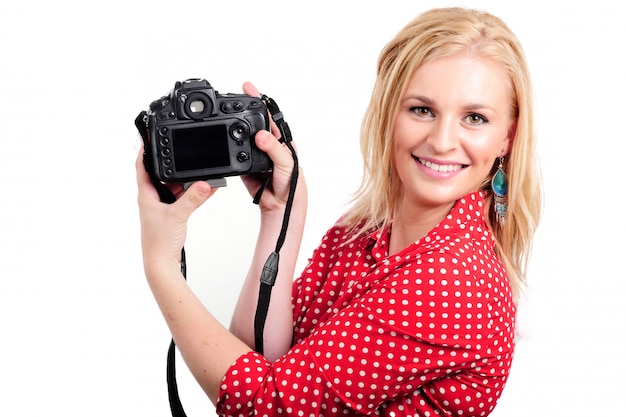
{"points": [[207, 347], [279, 324]]}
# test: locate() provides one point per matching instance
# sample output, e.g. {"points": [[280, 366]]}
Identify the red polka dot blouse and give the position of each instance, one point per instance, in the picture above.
{"points": [[428, 331]]}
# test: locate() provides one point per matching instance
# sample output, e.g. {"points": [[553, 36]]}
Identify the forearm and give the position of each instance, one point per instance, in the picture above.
{"points": [[207, 347], [279, 324]]}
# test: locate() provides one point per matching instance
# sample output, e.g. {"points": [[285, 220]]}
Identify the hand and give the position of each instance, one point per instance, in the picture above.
{"points": [[275, 196], [164, 226]]}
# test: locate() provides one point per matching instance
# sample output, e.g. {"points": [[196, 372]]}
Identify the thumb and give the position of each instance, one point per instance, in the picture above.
{"points": [[269, 144], [194, 197]]}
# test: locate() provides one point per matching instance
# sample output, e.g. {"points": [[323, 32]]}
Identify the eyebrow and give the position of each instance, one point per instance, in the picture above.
{"points": [[469, 106], [423, 99]]}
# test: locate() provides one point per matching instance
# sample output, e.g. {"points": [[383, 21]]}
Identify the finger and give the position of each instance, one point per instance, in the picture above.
{"points": [[251, 90], [139, 167], [144, 184], [194, 197], [278, 153]]}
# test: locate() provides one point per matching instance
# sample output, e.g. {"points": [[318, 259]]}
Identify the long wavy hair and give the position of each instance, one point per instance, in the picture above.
{"points": [[433, 35]]}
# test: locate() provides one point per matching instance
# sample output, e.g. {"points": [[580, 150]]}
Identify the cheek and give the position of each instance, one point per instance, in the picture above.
{"points": [[483, 162], [399, 143], [485, 149], [395, 154], [407, 135], [397, 138]]}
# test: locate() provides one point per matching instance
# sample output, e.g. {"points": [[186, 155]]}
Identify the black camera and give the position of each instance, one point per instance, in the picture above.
{"points": [[195, 133]]}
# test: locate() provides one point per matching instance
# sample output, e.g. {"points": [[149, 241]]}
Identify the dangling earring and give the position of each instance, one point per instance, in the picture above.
{"points": [[500, 187]]}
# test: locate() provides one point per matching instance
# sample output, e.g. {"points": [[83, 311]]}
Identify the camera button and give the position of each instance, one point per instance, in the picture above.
{"points": [[227, 107], [243, 156]]}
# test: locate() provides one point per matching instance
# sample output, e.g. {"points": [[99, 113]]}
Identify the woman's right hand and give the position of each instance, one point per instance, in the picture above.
{"points": [[164, 226]]}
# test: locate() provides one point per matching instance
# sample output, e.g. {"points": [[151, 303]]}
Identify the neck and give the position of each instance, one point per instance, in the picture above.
{"points": [[410, 225]]}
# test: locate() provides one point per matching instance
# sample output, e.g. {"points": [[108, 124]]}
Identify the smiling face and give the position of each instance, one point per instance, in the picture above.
{"points": [[454, 120]]}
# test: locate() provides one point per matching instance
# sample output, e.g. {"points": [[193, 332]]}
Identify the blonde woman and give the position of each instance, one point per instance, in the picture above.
{"points": [[408, 305]]}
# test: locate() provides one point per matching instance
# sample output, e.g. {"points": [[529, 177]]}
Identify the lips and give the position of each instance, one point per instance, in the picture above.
{"points": [[440, 167]]}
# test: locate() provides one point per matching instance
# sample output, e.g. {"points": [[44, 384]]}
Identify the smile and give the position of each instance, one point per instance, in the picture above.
{"points": [[440, 167]]}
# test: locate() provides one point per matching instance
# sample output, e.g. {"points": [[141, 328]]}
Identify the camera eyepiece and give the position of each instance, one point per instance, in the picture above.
{"points": [[197, 106]]}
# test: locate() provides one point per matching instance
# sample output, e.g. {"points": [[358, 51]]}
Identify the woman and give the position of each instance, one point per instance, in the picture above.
{"points": [[407, 307]]}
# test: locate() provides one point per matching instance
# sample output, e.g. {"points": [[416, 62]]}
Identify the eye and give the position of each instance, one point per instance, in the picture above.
{"points": [[476, 119], [422, 111]]}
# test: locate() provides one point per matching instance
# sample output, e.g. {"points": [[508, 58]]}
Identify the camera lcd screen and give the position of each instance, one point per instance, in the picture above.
{"points": [[200, 148]]}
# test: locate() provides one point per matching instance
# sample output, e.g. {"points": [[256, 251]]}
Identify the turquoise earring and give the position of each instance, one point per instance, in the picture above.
{"points": [[500, 187]]}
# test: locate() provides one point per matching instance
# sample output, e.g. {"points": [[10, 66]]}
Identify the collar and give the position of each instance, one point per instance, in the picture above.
{"points": [[467, 212]]}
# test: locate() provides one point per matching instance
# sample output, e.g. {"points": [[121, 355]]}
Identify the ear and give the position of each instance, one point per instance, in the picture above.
{"points": [[506, 143]]}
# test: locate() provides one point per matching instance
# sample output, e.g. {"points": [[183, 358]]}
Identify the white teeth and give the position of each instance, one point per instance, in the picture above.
{"points": [[440, 168]]}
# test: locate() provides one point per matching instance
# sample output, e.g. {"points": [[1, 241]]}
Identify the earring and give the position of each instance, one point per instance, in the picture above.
{"points": [[500, 187]]}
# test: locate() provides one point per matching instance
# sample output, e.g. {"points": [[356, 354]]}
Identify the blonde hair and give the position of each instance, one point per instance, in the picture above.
{"points": [[436, 34]]}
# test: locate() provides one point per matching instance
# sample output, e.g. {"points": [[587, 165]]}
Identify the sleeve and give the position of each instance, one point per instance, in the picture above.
{"points": [[416, 342], [315, 276]]}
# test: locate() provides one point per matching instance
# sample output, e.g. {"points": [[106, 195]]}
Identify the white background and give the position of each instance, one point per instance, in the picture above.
{"points": [[79, 331]]}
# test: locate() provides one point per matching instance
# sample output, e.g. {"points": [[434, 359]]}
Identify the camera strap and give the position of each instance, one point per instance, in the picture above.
{"points": [[270, 269]]}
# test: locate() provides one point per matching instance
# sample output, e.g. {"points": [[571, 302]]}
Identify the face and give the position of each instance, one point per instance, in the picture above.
{"points": [[453, 122]]}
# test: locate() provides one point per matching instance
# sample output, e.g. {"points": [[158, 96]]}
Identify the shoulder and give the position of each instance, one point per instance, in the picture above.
{"points": [[340, 237]]}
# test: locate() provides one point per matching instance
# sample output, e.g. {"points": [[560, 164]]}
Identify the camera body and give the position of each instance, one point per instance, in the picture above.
{"points": [[195, 133]]}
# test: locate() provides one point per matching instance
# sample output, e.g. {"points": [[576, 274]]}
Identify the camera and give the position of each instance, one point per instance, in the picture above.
{"points": [[195, 133]]}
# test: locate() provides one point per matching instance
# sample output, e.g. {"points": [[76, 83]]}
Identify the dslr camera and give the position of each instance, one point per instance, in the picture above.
{"points": [[194, 133]]}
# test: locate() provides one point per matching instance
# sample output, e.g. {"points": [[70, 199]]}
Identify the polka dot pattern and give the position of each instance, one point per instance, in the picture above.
{"points": [[425, 332]]}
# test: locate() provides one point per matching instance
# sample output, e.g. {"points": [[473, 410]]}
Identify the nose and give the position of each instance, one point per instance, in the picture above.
{"points": [[444, 135]]}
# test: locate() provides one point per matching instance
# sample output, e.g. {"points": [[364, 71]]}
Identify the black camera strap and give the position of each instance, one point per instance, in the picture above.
{"points": [[270, 269]]}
